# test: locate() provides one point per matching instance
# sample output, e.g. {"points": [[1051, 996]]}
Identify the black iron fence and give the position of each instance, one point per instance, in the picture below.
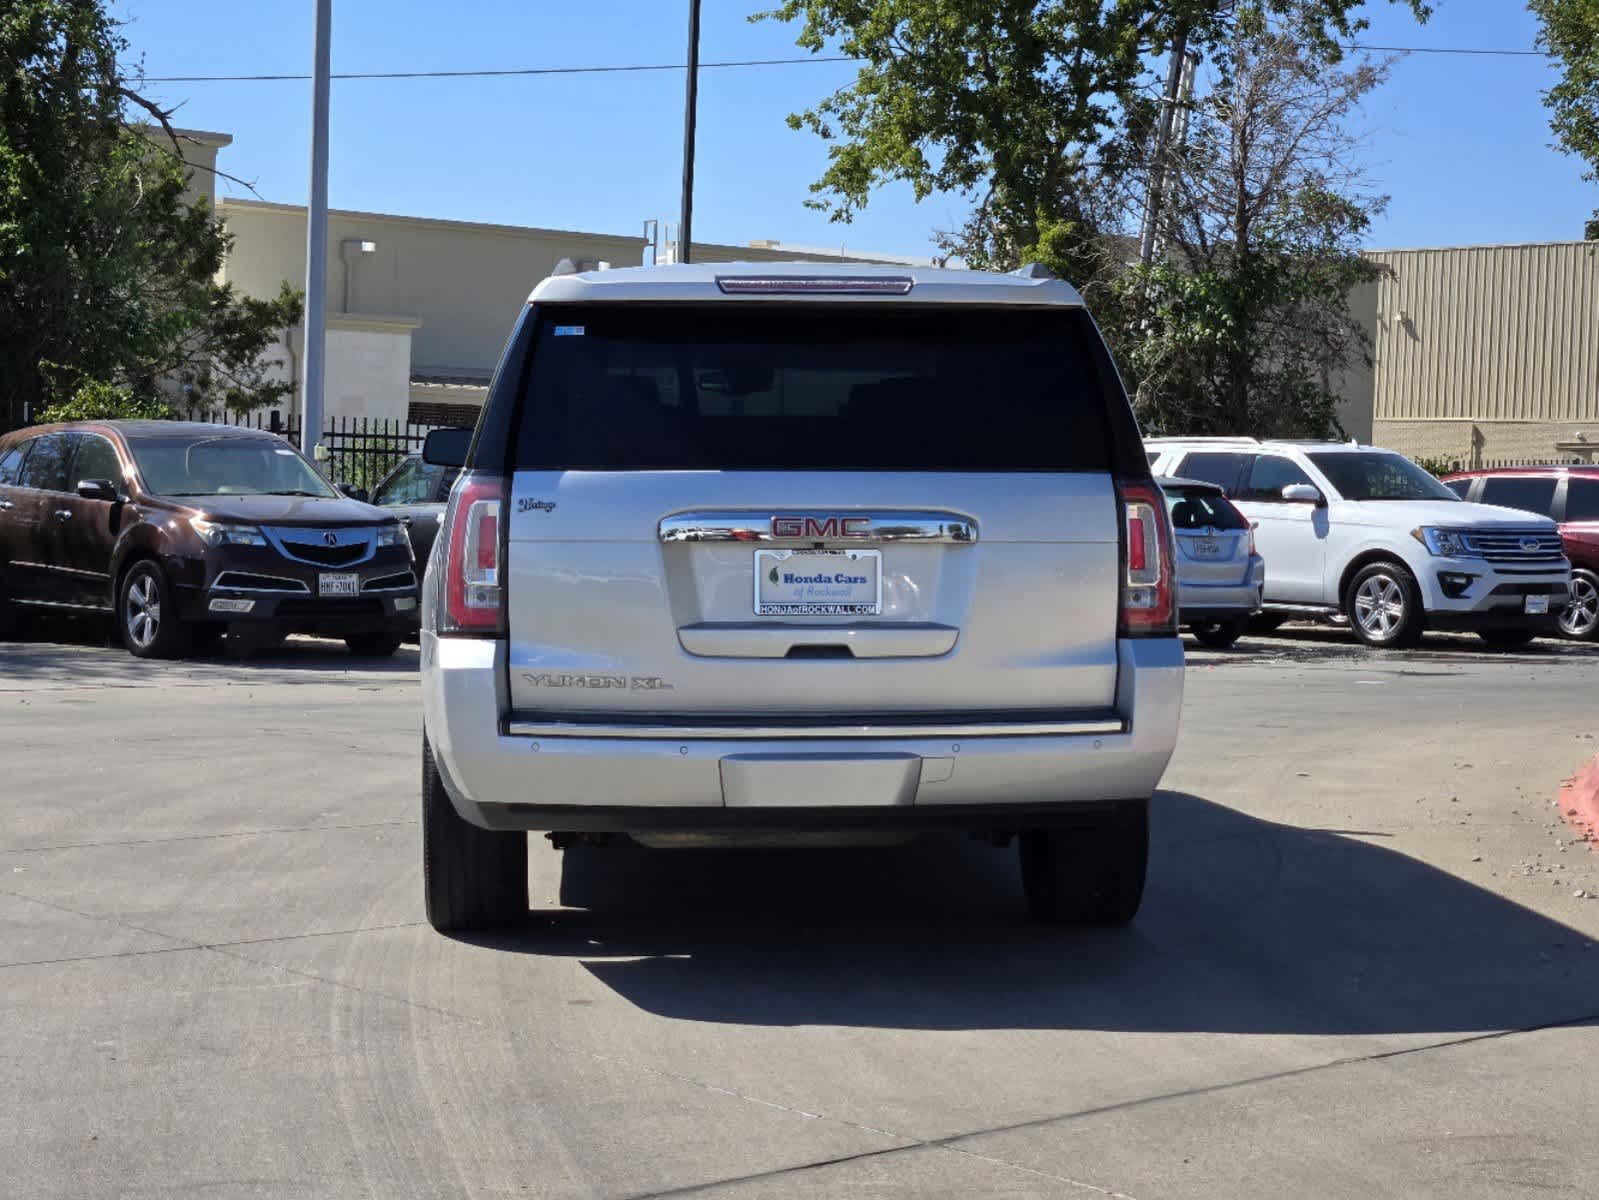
{"points": [[360, 450]]}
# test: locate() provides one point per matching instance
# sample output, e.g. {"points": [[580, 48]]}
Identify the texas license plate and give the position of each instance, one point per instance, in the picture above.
{"points": [[818, 583], [338, 585], [1537, 604], [1204, 547]]}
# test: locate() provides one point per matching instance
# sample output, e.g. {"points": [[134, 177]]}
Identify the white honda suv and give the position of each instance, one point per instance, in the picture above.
{"points": [[1362, 534], [787, 554]]}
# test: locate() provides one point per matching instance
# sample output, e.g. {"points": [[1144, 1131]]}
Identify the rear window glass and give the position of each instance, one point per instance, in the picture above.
{"points": [[1220, 469], [1194, 508], [777, 387], [1582, 499], [1530, 493]]}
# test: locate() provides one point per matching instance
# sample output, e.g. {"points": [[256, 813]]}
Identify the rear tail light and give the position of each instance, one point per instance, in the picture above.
{"points": [[473, 548], [1149, 554]]}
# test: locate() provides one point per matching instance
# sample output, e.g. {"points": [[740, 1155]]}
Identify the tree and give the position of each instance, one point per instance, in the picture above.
{"points": [[1036, 109], [1571, 33], [107, 265], [1241, 326]]}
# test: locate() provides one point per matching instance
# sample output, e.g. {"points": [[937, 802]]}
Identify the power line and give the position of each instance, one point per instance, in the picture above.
{"points": [[611, 70], [635, 68], [1449, 50]]}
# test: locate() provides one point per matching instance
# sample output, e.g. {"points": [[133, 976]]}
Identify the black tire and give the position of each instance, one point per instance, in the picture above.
{"points": [[1091, 876], [1219, 635], [373, 645], [1266, 622], [1388, 596], [471, 878], [1579, 620], [145, 593], [1506, 639]]}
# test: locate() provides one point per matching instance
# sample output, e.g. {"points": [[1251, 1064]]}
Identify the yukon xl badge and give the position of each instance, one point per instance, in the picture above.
{"points": [[629, 683]]}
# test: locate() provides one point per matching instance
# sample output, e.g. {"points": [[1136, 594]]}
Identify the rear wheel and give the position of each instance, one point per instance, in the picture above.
{"points": [[1219, 635], [1383, 605], [471, 878], [1579, 620], [1091, 876], [147, 616], [1506, 638], [373, 645]]}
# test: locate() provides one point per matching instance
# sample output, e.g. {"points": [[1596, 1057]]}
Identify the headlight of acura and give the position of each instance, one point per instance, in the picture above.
{"points": [[392, 535], [1445, 543], [214, 533]]}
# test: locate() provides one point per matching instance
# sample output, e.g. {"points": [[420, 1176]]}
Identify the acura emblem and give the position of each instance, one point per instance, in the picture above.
{"points": [[331, 538], [1530, 544]]}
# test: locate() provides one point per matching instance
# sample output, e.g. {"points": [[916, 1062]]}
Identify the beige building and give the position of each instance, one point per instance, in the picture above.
{"points": [[418, 309], [1482, 354]]}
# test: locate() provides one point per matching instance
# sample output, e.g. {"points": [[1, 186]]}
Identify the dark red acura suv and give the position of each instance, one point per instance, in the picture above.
{"points": [[1571, 496], [185, 532]]}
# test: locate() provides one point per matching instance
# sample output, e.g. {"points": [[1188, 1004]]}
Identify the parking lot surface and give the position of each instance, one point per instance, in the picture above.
{"points": [[1366, 963]]}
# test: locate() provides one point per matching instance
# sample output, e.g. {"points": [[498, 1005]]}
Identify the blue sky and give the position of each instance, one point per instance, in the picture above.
{"points": [[1460, 144]]}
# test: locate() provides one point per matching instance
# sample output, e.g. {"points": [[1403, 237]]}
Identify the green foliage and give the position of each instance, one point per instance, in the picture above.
{"points": [[364, 460], [1026, 105], [1571, 33], [107, 267], [1439, 466], [107, 402], [1043, 113], [1244, 325]]}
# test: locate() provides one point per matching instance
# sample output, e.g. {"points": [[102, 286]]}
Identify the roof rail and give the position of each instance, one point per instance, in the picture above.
{"points": [[1209, 441]]}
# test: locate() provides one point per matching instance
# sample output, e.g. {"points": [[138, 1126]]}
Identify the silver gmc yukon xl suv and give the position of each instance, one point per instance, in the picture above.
{"points": [[750, 552]]}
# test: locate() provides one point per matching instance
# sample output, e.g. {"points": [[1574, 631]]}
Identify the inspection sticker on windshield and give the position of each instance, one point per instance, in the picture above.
{"points": [[818, 583]]}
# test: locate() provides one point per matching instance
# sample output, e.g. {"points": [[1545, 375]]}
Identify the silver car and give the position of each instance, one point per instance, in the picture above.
{"points": [[1220, 577], [789, 553]]}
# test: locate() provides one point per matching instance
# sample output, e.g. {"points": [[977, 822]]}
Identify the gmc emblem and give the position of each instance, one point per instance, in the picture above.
{"points": [[821, 529]]}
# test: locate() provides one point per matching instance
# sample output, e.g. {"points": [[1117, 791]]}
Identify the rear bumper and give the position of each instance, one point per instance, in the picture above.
{"points": [[696, 780], [1221, 601]]}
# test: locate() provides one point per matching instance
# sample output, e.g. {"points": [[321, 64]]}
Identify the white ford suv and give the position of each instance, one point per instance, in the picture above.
{"points": [[753, 552], [1358, 533]]}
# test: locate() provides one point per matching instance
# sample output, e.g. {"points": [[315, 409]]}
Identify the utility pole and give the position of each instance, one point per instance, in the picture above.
{"points": [[1176, 75], [316, 237], [685, 232]]}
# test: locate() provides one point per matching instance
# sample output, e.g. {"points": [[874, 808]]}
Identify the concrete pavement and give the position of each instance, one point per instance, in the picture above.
{"points": [[1361, 969]]}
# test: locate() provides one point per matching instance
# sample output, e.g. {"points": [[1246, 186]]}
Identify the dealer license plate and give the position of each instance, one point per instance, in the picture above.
{"points": [[338, 585], [1537, 604], [818, 583]]}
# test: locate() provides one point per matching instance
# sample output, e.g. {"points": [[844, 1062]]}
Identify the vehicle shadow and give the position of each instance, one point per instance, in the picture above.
{"points": [[49, 645], [1248, 927], [1329, 643]]}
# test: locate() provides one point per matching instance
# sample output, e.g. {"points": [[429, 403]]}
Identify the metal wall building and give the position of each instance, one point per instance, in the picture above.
{"points": [[1482, 353]]}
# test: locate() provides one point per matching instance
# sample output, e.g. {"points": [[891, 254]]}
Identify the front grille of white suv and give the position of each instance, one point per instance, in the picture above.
{"points": [[1516, 546]]}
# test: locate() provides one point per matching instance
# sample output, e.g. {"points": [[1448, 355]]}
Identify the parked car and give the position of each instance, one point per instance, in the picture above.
{"points": [[795, 549], [1220, 578], [414, 492], [1364, 534], [185, 531], [1566, 495]]}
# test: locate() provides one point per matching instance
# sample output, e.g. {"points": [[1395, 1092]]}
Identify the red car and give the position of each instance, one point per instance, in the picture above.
{"points": [[1571, 496]]}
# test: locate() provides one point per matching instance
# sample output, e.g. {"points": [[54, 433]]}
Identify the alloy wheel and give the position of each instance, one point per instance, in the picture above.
{"points": [[1581, 614], [142, 614], [1380, 607]]}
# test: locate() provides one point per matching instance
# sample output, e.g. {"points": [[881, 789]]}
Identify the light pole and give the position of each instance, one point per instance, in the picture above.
{"points": [[316, 237], [685, 232]]}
